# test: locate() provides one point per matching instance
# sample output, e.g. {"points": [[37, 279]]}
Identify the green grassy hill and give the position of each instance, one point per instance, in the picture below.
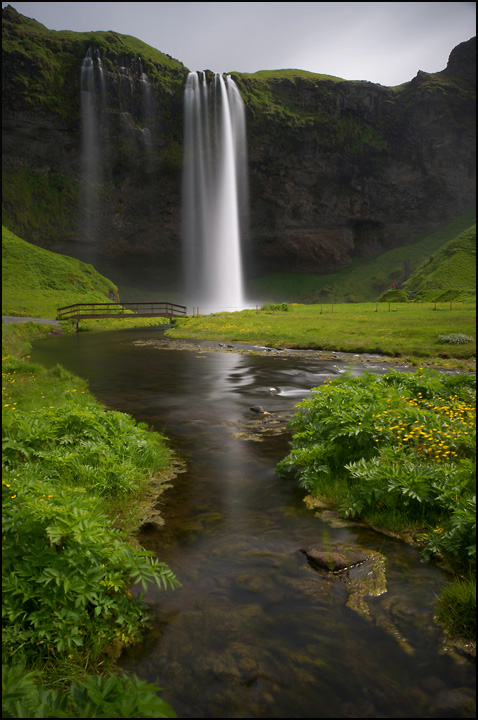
{"points": [[365, 280], [448, 275], [36, 281]]}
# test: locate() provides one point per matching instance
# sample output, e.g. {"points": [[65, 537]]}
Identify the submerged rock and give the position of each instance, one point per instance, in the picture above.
{"points": [[334, 561], [259, 409], [361, 570]]}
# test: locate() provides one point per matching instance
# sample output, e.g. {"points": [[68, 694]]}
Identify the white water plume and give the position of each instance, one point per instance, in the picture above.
{"points": [[214, 193]]}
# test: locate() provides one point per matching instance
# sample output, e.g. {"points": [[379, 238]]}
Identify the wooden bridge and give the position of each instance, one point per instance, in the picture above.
{"points": [[88, 311]]}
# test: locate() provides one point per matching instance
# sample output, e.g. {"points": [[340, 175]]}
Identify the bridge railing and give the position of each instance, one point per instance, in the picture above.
{"points": [[82, 311]]}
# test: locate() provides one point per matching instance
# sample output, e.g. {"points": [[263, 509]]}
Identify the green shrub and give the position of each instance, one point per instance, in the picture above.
{"points": [[82, 446], [275, 307], [67, 575], [69, 467], [119, 696], [456, 608], [401, 446]]}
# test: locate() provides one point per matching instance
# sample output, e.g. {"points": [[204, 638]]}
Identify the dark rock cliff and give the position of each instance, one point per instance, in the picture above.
{"points": [[337, 169], [354, 168]]}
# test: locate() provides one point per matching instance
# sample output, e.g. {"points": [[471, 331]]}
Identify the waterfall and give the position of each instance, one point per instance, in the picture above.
{"points": [[214, 193], [147, 93], [147, 114], [91, 105]]}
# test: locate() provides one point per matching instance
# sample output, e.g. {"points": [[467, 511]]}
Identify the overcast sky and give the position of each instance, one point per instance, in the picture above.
{"points": [[384, 42]]}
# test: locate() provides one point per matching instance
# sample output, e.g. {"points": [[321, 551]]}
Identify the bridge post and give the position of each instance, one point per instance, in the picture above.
{"points": [[76, 324]]}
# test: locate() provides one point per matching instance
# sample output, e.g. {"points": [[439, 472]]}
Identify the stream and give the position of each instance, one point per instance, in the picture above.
{"points": [[255, 631]]}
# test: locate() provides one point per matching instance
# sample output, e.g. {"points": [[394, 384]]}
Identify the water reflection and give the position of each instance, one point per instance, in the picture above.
{"points": [[254, 631]]}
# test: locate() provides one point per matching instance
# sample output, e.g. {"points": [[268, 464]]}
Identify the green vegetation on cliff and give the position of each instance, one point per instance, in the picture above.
{"points": [[288, 74], [364, 280], [39, 205], [50, 59]]}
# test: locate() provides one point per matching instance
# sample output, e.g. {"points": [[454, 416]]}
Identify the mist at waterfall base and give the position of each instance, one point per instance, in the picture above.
{"points": [[215, 194]]}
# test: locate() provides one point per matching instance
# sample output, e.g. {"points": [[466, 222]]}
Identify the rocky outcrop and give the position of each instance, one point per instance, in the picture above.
{"points": [[337, 169]]}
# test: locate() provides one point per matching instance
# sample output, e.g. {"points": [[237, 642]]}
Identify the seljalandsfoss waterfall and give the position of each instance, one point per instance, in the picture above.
{"points": [[214, 193]]}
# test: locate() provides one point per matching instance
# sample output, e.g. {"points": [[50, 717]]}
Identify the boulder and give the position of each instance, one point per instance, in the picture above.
{"points": [[334, 560]]}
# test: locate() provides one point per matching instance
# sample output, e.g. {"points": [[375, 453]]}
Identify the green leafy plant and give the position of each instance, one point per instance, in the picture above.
{"points": [[400, 445], [69, 466], [67, 577], [121, 696], [275, 307]]}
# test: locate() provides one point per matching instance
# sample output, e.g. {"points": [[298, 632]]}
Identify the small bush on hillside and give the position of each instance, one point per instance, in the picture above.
{"points": [[277, 307], [395, 296]]}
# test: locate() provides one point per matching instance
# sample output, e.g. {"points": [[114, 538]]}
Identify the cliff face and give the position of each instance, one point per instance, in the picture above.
{"points": [[119, 209], [337, 168], [352, 168]]}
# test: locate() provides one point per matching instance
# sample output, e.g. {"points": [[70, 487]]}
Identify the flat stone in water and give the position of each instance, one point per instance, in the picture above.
{"points": [[334, 561]]}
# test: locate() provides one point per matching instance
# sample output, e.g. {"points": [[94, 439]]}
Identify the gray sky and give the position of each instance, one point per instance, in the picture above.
{"points": [[384, 42]]}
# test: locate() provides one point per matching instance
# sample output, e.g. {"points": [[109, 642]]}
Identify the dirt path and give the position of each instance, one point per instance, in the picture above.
{"points": [[15, 319]]}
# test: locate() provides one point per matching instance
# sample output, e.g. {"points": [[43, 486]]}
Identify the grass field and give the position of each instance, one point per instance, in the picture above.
{"points": [[402, 330]]}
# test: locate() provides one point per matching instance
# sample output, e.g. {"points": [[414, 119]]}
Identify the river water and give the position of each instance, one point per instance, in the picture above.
{"points": [[254, 631]]}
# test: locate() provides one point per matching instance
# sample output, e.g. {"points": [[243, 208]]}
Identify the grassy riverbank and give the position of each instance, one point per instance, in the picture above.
{"points": [[77, 481], [398, 450], [440, 334]]}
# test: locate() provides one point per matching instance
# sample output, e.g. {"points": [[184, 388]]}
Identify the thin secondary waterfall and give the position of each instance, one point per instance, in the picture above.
{"points": [[92, 104], [214, 193], [147, 108]]}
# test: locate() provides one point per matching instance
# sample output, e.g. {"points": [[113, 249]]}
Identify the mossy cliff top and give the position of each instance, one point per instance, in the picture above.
{"points": [[41, 66], [307, 98]]}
